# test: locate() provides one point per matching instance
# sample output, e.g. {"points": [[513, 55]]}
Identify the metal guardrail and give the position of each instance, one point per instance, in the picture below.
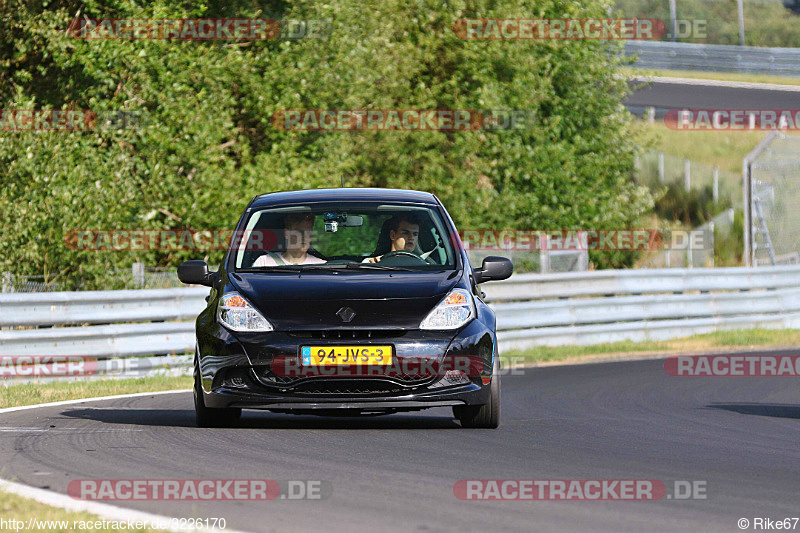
{"points": [[97, 307], [649, 304], [532, 310], [715, 57], [642, 281]]}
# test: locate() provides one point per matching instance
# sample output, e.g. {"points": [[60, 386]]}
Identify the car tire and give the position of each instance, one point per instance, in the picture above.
{"points": [[487, 415], [208, 417]]}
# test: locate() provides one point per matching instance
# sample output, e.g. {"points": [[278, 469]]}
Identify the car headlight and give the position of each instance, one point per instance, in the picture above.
{"points": [[235, 313], [453, 312]]}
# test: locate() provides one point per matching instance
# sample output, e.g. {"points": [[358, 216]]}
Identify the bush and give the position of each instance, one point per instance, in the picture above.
{"points": [[692, 208]]}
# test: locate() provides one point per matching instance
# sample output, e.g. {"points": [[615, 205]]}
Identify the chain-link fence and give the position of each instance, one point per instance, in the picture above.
{"points": [[659, 169], [139, 276], [697, 252], [12, 283], [772, 222], [763, 23], [537, 260]]}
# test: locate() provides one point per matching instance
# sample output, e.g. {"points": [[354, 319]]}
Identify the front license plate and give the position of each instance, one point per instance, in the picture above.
{"points": [[346, 355]]}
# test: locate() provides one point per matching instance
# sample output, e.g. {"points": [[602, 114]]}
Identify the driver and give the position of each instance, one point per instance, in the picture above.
{"points": [[298, 240], [403, 235]]}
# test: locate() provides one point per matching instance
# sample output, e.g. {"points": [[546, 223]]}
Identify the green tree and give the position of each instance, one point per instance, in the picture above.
{"points": [[208, 145]]}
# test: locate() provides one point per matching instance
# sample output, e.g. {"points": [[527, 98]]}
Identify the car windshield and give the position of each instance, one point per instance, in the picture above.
{"points": [[371, 237]]}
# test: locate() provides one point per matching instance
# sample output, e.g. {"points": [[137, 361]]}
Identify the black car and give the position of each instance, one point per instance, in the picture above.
{"points": [[346, 301]]}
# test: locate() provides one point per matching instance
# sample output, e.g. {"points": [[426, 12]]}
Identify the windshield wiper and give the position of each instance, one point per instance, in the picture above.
{"points": [[291, 268], [278, 268], [375, 266]]}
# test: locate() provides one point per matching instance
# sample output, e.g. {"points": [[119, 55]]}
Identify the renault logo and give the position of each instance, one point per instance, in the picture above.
{"points": [[346, 314]]}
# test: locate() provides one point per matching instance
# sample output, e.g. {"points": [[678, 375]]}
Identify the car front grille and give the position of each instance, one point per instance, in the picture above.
{"points": [[347, 333], [349, 388], [300, 384]]}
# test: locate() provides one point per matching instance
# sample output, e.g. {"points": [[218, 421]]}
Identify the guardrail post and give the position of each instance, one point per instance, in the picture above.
{"points": [[544, 253], [137, 270], [8, 282], [661, 167], [650, 112], [583, 260], [713, 244]]}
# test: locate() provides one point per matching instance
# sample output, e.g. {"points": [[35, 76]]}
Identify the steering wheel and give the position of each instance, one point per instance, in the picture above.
{"points": [[401, 253]]}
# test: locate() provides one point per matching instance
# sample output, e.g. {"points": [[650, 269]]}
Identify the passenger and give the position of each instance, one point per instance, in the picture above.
{"points": [[297, 236]]}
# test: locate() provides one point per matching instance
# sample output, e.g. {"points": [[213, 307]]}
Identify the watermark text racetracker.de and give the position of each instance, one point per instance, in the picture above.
{"points": [[402, 119], [198, 489], [630, 29], [754, 365], [578, 489], [46, 366], [732, 119], [640, 239], [209, 29], [69, 120]]}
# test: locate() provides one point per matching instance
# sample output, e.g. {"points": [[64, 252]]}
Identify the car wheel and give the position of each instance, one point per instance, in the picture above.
{"points": [[208, 417], [483, 416]]}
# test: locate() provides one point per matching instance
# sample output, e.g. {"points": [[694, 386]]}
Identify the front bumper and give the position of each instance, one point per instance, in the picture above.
{"points": [[235, 370]]}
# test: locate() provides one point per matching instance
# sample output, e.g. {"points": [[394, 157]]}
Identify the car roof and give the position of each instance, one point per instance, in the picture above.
{"points": [[344, 194]]}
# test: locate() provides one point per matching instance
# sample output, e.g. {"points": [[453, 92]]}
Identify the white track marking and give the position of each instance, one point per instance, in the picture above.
{"points": [[719, 83], [110, 512], [84, 400]]}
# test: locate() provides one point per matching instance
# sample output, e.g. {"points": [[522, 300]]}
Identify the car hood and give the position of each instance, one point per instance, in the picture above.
{"points": [[379, 300]]}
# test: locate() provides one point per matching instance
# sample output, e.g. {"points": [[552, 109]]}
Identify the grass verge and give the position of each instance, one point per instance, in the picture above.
{"points": [[13, 507], [703, 75], [721, 340], [34, 393], [724, 149]]}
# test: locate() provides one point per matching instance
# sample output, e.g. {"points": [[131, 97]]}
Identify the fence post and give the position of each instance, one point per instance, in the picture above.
{"points": [[650, 112], [8, 282], [740, 9], [672, 18], [716, 185], [661, 167], [137, 270], [687, 171]]}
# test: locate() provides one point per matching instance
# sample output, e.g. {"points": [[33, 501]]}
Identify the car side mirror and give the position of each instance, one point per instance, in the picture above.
{"points": [[494, 269], [196, 273]]}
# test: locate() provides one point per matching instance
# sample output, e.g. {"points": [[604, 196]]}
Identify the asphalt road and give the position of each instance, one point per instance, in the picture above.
{"points": [[684, 96], [627, 420]]}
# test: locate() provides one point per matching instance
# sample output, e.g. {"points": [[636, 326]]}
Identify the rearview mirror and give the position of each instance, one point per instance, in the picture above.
{"points": [[195, 273], [333, 220], [494, 269], [354, 221]]}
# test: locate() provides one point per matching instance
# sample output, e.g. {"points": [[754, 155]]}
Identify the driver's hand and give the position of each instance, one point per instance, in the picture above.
{"points": [[374, 259]]}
